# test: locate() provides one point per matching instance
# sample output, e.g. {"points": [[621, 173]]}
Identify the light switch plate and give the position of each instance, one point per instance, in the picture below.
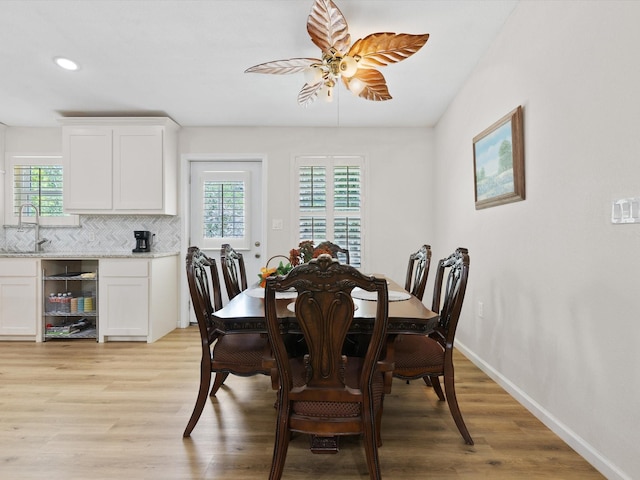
{"points": [[626, 210]]}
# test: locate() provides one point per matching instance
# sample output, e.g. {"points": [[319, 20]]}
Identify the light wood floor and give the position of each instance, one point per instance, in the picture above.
{"points": [[81, 410]]}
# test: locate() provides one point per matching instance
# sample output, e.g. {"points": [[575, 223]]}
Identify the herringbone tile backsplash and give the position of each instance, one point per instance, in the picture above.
{"points": [[100, 233]]}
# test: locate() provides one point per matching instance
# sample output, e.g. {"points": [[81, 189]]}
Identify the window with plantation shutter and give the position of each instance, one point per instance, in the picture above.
{"points": [[224, 209], [40, 185], [330, 201], [220, 207]]}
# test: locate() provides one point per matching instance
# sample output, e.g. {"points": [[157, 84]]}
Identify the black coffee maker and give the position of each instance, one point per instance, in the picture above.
{"points": [[144, 239]]}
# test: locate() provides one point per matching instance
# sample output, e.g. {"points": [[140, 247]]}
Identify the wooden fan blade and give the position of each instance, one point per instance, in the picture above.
{"points": [[380, 49], [284, 67], [375, 86], [327, 27], [309, 93]]}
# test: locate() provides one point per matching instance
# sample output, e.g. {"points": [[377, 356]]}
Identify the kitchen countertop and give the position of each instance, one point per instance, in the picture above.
{"points": [[116, 254]]}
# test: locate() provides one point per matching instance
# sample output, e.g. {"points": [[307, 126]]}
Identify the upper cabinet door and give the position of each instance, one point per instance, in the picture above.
{"points": [[88, 168], [138, 168]]}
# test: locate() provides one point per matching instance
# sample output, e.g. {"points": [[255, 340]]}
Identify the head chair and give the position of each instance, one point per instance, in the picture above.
{"points": [[337, 251], [326, 393]]}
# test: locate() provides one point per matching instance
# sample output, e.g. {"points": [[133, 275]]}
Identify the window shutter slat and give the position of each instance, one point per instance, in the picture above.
{"points": [[336, 218], [40, 185], [224, 209]]}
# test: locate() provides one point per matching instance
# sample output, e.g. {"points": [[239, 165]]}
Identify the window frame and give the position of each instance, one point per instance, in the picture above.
{"points": [[212, 243], [329, 162], [31, 159]]}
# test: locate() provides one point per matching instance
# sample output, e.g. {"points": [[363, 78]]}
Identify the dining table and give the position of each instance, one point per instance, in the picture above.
{"points": [[407, 315]]}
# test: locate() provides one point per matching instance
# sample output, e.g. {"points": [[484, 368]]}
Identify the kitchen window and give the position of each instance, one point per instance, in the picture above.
{"points": [[37, 180], [330, 194]]}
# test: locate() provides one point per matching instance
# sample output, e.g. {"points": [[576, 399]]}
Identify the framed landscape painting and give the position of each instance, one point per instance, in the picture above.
{"points": [[498, 162]]}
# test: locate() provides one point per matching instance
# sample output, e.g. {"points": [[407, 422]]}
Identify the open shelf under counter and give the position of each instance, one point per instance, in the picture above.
{"points": [[70, 299]]}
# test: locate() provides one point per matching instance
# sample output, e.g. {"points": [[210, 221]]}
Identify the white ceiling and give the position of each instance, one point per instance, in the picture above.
{"points": [[186, 59]]}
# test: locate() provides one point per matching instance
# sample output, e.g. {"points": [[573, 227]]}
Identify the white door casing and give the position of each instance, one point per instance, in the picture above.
{"points": [[247, 171]]}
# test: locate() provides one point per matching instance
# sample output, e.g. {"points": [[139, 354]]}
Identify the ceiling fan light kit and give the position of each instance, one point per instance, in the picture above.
{"points": [[356, 65]]}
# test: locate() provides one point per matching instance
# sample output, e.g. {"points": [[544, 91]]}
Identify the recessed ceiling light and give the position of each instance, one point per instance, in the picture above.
{"points": [[66, 63]]}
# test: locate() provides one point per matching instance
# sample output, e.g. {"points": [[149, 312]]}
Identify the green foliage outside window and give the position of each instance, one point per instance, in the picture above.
{"points": [[40, 185]]}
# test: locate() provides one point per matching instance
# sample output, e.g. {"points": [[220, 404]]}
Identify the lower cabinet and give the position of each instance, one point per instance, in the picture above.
{"points": [[70, 302], [138, 298], [18, 299], [124, 299]]}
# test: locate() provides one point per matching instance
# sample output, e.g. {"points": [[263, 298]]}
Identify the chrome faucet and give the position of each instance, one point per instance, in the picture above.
{"points": [[36, 226]]}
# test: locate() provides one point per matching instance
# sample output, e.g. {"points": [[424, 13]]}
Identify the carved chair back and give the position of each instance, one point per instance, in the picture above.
{"points": [[337, 251], [456, 269], [233, 270], [202, 292], [418, 271]]}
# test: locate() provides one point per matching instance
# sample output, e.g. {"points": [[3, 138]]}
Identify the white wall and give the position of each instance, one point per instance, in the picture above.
{"points": [[2, 171], [399, 194], [558, 281]]}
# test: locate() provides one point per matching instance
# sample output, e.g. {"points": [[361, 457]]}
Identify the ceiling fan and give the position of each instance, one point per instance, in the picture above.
{"points": [[355, 64]]}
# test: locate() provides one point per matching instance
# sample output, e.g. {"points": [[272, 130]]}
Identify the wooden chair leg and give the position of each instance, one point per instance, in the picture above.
{"points": [[378, 418], [435, 383], [371, 447], [450, 390], [205, 379], [217, 383], [283, 435]]}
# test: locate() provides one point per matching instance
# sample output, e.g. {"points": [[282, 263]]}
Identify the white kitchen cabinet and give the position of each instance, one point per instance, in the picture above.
{"points": [[138, 298], [120, 165], [18, 298]]}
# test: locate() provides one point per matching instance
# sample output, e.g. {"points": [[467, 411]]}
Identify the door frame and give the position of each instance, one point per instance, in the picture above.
{"points": [[185, 211]]}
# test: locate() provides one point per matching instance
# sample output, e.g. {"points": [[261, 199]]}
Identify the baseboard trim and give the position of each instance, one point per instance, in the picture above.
{"points": [[584, 449]]}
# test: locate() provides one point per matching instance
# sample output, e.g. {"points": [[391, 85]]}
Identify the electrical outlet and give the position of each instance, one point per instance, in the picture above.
{"points": [[480, 310], [92, 236]]}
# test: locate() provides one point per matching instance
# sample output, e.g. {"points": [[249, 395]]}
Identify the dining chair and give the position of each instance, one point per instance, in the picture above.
{"points": [[325, 393], [418, 271], [240, 353], [233, 271], [337, 251], [430, 357]]}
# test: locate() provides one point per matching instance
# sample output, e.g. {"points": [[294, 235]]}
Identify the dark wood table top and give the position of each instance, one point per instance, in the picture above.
{"points": [[245, 313]]}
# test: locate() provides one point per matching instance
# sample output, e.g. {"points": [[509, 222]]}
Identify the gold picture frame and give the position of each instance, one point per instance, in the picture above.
{"points": [[498, 162]]}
